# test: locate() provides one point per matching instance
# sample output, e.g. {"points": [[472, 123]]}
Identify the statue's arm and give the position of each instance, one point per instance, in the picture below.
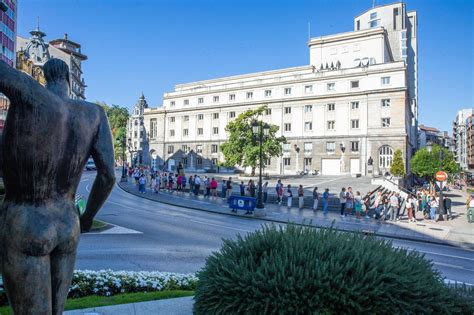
{"points": [[17, 85], [103, 155]]}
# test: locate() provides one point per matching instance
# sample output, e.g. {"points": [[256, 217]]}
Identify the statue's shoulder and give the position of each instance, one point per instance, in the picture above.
{"points": [[92, 108]]}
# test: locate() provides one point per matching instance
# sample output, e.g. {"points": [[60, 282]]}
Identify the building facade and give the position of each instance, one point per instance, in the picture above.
{"points": [[354, 103], [429, 134], [8, 23], [460, 136], [34, 52]]}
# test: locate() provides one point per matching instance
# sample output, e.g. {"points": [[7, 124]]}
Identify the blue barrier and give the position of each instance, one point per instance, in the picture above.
{"points": [[242, 203]]}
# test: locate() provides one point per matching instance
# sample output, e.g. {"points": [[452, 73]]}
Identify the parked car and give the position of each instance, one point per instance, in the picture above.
{"points": [[90, 166]]}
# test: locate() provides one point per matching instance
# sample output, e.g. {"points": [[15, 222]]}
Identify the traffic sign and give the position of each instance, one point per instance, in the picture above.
{"points": [[441, 176]]}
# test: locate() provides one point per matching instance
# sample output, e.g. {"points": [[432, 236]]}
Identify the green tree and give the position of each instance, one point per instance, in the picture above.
{"points": [[425, 164], [398, 166], [242, 147], [118, 118]]}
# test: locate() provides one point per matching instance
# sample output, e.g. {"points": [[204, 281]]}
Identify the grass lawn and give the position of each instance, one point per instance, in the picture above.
{"points": [[96, 301]]}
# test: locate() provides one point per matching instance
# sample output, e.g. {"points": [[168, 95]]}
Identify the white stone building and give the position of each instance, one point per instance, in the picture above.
{"points": [[460, 136], [355, 101]]}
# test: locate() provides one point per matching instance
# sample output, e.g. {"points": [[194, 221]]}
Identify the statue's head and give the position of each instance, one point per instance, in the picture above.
{"points": [[56, 73], [56, 70]]}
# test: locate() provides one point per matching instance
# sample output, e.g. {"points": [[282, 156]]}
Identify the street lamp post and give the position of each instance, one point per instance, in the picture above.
{"points": [[124, 175], [429, 147], [260, 129]]}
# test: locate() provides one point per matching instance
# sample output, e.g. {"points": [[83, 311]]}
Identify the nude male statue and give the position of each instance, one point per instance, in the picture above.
{"points": [[47, 140]]}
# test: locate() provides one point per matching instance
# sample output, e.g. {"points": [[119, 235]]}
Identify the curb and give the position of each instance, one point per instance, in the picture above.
{"points": [[366, 232]]}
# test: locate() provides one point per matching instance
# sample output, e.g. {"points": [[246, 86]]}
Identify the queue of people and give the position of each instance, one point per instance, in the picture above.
{"points": [[382, 206]]}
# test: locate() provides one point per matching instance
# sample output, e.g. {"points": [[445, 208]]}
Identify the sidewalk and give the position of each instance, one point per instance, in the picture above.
{"points": [[176, 306], [457, 232]]}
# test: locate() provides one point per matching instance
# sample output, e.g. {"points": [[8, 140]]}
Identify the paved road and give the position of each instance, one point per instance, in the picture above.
{"points": [[179, 240]]}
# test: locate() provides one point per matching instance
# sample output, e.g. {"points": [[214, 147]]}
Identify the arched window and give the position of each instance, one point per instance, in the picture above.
{"points": [[385, 156]]}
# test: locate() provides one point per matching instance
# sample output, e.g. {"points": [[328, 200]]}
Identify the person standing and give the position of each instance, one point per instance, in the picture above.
{"points": [[349, 200], [342, 200], [141, 184], [179, 182], [366, 207], [386, 204], [197, 184], [289, 197], [410, 207], [213, 187], [433, 207], [252, 188], [358, 204], [242, 189], [394, 205], [228, 184], [447, 207], [300, 197], [191, 184], [278, 187], [315, 198], [265, 192], [378, 205], [325, 201], [223, 189], [207, 184], [183, 182]]}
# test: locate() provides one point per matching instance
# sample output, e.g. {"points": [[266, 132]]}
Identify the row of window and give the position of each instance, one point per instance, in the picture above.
{"points": [[287, 110], [308, 89], [185, 148], [308, 126]]}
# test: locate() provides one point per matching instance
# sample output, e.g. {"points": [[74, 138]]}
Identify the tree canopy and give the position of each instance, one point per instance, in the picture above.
{"points": [[425, 164], [398, 166], [242, 146], [118, 118]]}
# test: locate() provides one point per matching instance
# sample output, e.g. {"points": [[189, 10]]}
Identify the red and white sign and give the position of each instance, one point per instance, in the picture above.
{"points": [[441, 176]]}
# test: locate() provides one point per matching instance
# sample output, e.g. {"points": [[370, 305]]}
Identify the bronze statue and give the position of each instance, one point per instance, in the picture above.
{"points": [[47, 140]]}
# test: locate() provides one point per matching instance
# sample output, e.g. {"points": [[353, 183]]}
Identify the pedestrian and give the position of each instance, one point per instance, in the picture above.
{"points": [[349, 201], [223, 189], [170, 181], [228, 188], [358, 204], [242, 188], [289, 197], [141, 184], [386, 204], [342, 200], [300, 197], [409, 204], [394, 206], [366, 205], [179, 182], [207, 184], [278, 187], [158, 183], [252, 188], [378, 205], [325, 201], [447, 207], [152, 183], [213, 187], [136, 175], [433, 207], [183, 183], [191, 184], [315, 198], [265, 192], [197, 184]]}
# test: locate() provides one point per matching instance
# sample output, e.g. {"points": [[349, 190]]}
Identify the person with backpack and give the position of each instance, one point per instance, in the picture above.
{"points": [[228, 185], [278, 186]]}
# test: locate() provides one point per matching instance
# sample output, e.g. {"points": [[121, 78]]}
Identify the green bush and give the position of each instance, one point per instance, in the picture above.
{"points": [[300, 270]]}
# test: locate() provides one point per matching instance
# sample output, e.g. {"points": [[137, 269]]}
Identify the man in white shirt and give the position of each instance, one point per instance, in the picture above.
{"points": [[394, 206]]}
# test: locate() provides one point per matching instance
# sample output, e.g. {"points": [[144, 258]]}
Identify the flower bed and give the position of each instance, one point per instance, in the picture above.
{"points": [[108, 282]]}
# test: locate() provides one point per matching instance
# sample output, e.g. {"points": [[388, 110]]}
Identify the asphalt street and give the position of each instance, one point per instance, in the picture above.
{"points": [[179, 240]]}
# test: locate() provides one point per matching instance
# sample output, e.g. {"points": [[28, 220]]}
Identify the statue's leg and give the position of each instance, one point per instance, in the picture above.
{"points": [[62, 268], [28, 282]]}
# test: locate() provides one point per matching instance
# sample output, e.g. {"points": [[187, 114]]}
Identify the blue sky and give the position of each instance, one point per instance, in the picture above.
{"points": [[149, 46]]}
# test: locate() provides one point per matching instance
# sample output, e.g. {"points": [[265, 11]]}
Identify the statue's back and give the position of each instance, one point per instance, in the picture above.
{"points": [[48, 145]]}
